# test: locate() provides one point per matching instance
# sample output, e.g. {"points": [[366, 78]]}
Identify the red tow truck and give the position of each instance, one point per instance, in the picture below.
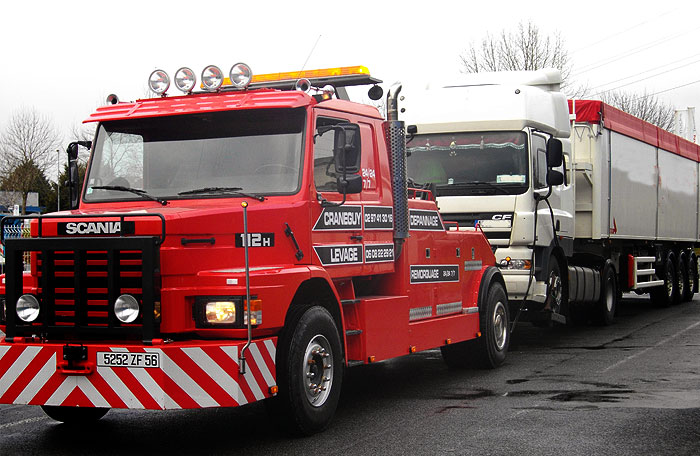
{"points": [[240, 243]]}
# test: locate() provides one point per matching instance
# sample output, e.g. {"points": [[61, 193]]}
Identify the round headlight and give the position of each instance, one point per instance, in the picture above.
{"points": [[240, 75], [27, 308], [159, 81], [212, 78], [185, 80], [126, 308]]}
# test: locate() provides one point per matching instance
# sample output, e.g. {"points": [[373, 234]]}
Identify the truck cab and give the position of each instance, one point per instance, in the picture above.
{"points": [[483, 142]]}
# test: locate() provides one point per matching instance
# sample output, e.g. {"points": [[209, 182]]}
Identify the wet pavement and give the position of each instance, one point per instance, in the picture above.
{"points": [[629, 389]]}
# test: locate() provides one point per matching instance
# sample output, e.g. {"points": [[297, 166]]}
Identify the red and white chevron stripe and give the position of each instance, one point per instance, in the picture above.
{"points": [[189, 376]]}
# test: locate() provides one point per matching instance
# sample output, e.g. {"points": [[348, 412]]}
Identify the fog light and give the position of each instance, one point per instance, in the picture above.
{"points": [[159, 82], [220, 312], [28, 308], [240, 75], [126, 308], [212, 78]]}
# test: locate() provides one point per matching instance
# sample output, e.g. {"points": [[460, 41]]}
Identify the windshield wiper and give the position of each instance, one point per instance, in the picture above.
{"points": [[136, 191], [235, 190]]}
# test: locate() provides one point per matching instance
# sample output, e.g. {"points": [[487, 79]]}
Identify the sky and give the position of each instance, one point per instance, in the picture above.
{"points": [[64, 58]]}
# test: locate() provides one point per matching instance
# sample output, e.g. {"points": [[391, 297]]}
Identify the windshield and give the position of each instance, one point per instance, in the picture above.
{"points": [[470, 163], [254, 151]]}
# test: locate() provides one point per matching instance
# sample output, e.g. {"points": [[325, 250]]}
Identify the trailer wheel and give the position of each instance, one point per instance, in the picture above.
{"points": [[694, 272], [489, 350], [604, 310], [665, 295], [681, 279], [309, 372], [691, 280], [74, 415]]}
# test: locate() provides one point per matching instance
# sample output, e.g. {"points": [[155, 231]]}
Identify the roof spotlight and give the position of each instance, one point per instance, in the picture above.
{"points": [[240, 75], [185, 80], [159, 82], [212, 78]]}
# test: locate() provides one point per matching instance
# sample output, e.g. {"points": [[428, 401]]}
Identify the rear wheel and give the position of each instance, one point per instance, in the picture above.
{"points": [[489, 350], [691, 277], [604, 309], [74, 415], [681, 279], [665, 294], [310, 372]]}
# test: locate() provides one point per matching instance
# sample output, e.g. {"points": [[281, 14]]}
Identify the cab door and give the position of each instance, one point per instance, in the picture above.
{"points": [[354, 237]]}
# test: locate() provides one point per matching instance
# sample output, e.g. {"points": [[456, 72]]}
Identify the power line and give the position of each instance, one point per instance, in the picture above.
{"points": [[646, 71], [631, 52], [644, 79], [666, 90], [624, 31]]}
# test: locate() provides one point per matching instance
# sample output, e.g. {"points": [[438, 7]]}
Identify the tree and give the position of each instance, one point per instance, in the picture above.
{"points": [[646, 107], [27, 146], [524, 49], [24, 178]]}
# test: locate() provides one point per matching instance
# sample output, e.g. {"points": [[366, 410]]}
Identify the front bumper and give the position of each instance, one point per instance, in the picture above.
{"points": [[189, 375]]}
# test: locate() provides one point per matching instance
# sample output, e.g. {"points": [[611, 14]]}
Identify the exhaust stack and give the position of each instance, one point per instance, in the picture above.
{"points": [[395, 135]]}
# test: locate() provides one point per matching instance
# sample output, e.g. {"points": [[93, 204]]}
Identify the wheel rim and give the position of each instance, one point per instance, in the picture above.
{"points": [[669, 282], [680, 281], [555, 291], [691, 278], [318, 370], [500, 326]]}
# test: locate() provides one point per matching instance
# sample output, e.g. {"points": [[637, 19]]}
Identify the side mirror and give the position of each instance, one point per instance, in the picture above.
{"points": [[555, 155], [347, 150], [554, 177], [73, 176], [352, 183]]}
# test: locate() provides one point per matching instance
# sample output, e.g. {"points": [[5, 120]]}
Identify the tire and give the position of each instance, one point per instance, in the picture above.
{"points": [[604, 309], [309, 372], [695, 272], [691, 277], [489, 350], [681, 279], [665, 295], [74, 415]]}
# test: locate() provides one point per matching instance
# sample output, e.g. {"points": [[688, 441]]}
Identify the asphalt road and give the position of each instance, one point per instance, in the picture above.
{"points": [[629, 389]]}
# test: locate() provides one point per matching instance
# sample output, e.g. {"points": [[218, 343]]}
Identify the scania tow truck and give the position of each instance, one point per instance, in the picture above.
{"points": [[245, 241]]}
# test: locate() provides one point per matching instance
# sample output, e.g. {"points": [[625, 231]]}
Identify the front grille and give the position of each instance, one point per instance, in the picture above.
{"points": [[496, 236], [78, 280], [94, 285]]}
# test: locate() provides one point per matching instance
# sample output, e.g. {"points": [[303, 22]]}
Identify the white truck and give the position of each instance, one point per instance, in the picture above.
{"points": [[580, 201]]}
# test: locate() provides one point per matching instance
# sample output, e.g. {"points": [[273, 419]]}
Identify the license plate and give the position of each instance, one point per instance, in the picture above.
{"points": [[126, 359]]}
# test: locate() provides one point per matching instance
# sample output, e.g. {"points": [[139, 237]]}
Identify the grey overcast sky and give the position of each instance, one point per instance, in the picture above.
{"points": [[64, 57]]}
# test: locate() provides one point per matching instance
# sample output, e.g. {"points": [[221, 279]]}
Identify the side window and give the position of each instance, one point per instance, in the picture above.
{"points": [[539, 148], [324, 167]]}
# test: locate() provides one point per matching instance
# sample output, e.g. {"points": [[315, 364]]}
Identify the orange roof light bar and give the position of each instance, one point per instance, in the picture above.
{"points": [[322, 76]]}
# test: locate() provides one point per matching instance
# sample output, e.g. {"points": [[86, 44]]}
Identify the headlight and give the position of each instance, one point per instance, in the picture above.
{"points": [[510, 263], [185, 80], [212, 78], [126, 308], [220, 312], [240, 75], [28, 308], [159, 81]]}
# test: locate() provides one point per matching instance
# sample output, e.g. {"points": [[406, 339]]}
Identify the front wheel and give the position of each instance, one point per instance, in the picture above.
{"points": [[74, 415], [310, 372], [489, 350]]}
